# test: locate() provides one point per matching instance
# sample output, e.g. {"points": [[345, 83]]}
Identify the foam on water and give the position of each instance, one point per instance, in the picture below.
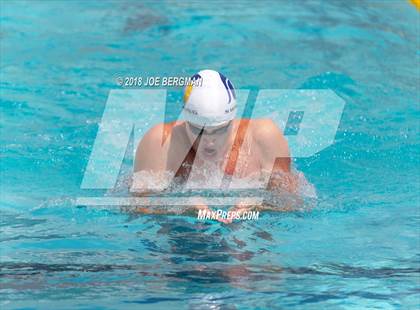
{"points": [[210, 178]]}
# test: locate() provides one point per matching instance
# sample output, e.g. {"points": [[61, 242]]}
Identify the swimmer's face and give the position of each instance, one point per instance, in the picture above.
{"points": [[213, 139]]}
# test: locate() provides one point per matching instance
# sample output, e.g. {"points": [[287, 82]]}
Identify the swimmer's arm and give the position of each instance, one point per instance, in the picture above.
{"points": [[183, 210], [282, 179], [190, 210], [275, 156], [151, 151], [148, 158]]}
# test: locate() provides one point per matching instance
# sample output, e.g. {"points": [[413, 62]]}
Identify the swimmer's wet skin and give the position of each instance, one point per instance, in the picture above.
{"points": [[210, 133]]}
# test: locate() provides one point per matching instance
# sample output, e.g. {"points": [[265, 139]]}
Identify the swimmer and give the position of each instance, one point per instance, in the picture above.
{"points": [[211, 133]]}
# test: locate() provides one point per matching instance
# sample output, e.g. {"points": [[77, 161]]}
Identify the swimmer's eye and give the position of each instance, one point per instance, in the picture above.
{"points": [[197, 130]]}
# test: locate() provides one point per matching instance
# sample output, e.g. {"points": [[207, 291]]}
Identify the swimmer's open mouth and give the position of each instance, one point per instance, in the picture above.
{"points": [[209, 151]]}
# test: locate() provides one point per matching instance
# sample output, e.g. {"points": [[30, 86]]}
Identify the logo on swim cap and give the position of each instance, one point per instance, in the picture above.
{"points": [[211, 104], [189, 87], [229, 87]]}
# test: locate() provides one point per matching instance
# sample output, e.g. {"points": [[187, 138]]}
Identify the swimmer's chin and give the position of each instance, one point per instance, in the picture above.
{"points": [[209, 155]]}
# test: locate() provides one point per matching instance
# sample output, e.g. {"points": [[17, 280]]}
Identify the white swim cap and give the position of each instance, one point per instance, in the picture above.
{"points": [[210, 101]]}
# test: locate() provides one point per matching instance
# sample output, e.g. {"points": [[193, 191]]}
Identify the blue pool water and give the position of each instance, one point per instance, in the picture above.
{"points": [[357, 249]]}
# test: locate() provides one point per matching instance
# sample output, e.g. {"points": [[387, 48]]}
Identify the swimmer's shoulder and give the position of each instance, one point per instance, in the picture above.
{"points": [[161, 132], [264, 127], [152, 150], [260, 128], [271, 145], [268, 135]]}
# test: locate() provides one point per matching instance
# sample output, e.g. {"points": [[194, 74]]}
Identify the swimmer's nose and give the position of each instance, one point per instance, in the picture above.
{"points": [[209, 141]]}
